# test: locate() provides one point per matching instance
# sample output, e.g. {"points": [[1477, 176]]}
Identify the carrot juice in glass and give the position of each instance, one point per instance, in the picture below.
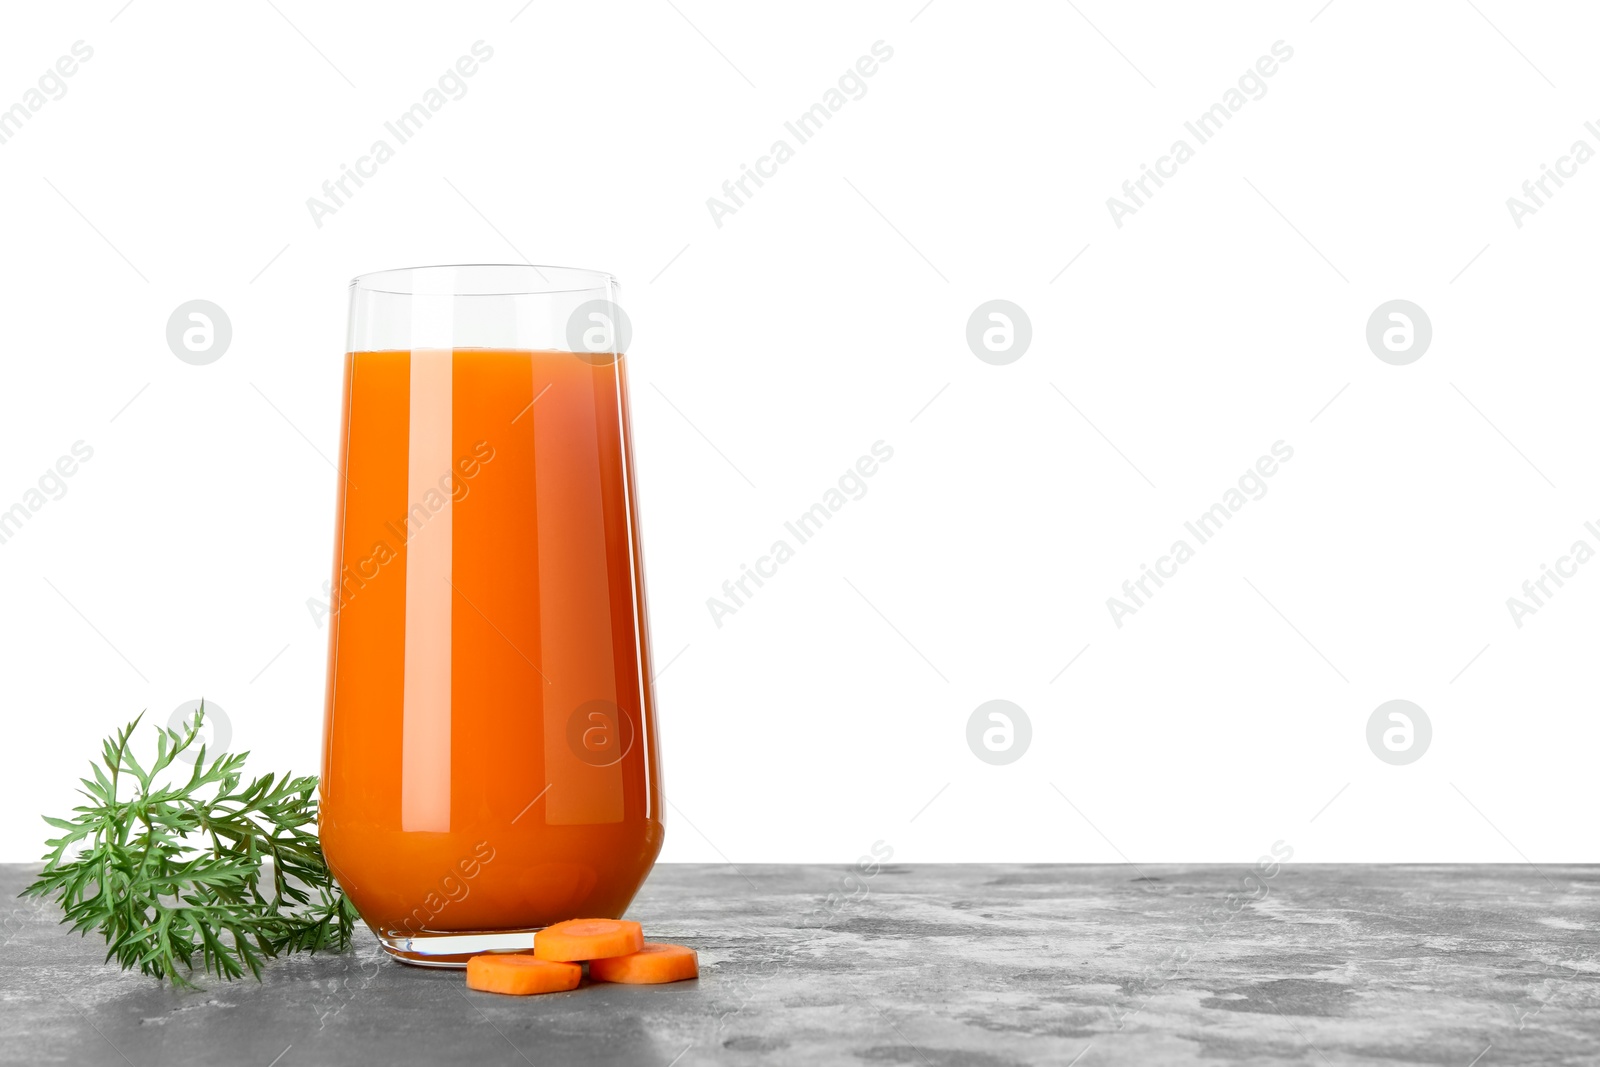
{"points": [[489, 747]]}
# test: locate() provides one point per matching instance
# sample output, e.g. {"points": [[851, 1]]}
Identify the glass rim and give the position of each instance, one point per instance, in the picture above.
{"points": [[484, 279]]}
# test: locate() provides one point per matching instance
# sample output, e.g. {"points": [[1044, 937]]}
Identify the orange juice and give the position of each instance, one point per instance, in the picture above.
{"points": [[489, 699]]}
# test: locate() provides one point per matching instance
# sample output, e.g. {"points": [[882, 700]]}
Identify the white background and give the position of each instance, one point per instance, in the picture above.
{"points": [[824, 316]]}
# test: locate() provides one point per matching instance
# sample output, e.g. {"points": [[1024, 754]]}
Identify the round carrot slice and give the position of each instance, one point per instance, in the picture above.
{"points": [[654, 964], [588, 939], [520, 974]]}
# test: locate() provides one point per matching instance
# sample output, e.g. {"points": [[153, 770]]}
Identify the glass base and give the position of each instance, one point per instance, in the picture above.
{"points": [[454, 949]]}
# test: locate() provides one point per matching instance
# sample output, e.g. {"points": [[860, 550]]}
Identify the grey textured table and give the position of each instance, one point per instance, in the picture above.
{"points": [[975, 964]]}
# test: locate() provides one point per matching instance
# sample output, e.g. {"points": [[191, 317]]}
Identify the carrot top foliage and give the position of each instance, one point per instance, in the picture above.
{"points": [[180, 866]]}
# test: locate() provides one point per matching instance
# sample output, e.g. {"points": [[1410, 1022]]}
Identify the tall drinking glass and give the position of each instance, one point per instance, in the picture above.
{"points": [[489, 746]]}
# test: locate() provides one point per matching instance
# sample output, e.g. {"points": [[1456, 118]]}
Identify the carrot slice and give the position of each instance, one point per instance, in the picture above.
{"points": [[520, 975], [654, 964], [588, 939]]}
